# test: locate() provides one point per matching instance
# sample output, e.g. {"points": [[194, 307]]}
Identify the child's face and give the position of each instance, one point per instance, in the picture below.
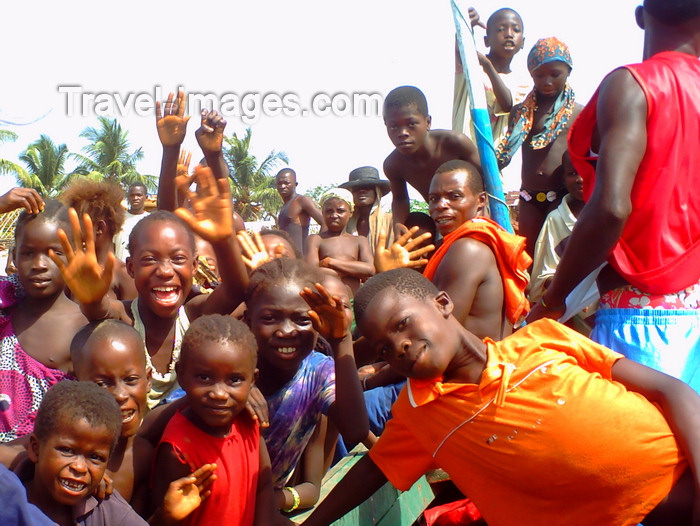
{"points": [[117, 363], [550, 78], [205, 250], [410, 334], [38, 274], [70, 463], [282, 326], [217, 384], [336, 214], [504, 34], [364, 195], [572, 180], [162, 266], [451, 202], [407, 128]]}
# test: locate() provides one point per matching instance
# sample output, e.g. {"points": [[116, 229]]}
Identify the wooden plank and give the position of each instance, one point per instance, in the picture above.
{"points": [[387, 507]]}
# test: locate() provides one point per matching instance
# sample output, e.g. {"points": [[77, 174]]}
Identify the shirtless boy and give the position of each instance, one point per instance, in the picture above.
{"points": [[419, 150], [349, 256], [294, 215]]}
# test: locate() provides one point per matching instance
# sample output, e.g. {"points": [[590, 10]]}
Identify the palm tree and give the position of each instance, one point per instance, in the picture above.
{"points": [[45, 162], [8, 167], [107, 155], [252, 184]]}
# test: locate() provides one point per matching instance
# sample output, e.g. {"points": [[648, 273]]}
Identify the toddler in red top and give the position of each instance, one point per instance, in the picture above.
{"points": [[216, 371]]}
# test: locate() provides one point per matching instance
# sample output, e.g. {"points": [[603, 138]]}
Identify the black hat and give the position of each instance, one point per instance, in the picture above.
{"points": [[366, 176]]}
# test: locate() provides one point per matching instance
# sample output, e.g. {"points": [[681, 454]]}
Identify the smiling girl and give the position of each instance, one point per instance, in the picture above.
{"points": [[37, 320], [162, 263]]}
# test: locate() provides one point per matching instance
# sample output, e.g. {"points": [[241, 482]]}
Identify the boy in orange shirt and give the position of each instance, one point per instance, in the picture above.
{"points": [[544, 426]]}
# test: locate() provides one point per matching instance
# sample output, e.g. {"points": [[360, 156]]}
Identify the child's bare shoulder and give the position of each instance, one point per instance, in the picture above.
{"points": [[450, 144], [392, 166]]}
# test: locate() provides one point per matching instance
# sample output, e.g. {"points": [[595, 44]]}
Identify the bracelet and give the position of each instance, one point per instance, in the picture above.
{"points": [[560, 308], [296, 500], [364, 382]]}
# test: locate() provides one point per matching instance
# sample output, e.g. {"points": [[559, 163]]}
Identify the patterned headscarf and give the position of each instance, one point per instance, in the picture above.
{"points": [[548, 50], [545, 50], [338, 193]]}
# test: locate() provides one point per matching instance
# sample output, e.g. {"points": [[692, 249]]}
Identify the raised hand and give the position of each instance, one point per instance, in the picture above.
{"points": [[211, 217], [253, 249], [172, 123], [474, 19], [327, 312], [183, 168], [210, 134], [26, 198], [83, 274], [401, 253], [183, 179], [186, 494]]}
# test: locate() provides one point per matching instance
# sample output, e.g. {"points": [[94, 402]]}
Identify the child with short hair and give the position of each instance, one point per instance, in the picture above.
{"points": [[540, 124], [76, 430], [216, 370], [543, 427], [110, 353], [504, 38], [419, 150], [504, 86], [335, 249], [37, 319], [101, 200], [162, 263]]}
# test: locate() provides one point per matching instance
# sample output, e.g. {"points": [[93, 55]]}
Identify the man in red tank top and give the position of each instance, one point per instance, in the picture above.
{"points": [[636, 146]]}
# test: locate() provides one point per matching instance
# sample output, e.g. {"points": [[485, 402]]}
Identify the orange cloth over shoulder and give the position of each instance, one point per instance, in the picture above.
{"points": [[509, 251]]}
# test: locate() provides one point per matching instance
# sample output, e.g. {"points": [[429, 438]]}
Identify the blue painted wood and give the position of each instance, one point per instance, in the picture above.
{"points": [[480, 116]]}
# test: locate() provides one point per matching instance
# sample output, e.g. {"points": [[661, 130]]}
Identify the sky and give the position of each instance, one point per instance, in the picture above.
{"points": [[274, 48]]}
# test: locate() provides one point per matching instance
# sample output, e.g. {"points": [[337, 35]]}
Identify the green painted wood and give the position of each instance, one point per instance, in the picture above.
{"points": [[387, 507]]}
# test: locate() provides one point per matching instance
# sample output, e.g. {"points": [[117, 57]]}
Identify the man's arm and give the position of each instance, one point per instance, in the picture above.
{"points": [[622, 111], [461, 280], [679, 404], [310, 208], [400, 203], [363, 479]]}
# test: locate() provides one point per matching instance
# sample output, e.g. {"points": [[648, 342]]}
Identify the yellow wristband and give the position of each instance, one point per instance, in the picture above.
{"points": [[296, 500]]}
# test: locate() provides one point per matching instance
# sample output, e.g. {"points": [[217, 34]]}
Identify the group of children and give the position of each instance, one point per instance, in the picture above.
{"points": [[155, 402]]}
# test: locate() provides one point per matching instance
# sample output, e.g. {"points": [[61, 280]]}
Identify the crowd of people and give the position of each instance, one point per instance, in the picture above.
{"points": [[209, 374]]}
